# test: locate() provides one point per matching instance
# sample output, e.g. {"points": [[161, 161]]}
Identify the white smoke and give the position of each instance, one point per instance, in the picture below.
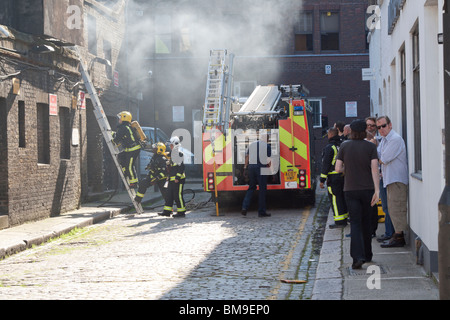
{"points": [[192, 28]]}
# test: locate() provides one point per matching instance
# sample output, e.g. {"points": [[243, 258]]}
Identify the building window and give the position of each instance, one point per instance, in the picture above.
{"points": [[416, 92], [185, 32], [43, 133], [107, 52], [329, 30], [64, 132], [92, 34], [3, 130], [316, 106], [403, 92], [22, 141], [304, 32], [163, 34]]}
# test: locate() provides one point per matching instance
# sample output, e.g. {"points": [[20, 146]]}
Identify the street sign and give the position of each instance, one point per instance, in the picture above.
{"points": [[368, 74]]}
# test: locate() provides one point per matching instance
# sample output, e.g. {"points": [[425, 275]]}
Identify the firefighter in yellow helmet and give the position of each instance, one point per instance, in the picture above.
{"points": [[157, 172], [127, 137]]}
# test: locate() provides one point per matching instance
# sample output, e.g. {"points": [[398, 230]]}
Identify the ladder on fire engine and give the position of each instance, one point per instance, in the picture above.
{"points": [[215, 86], [106, 130]]}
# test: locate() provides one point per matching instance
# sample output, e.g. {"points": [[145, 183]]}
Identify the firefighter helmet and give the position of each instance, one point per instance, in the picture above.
{"points": [[124, 116], [160, 148], [175, 141]]}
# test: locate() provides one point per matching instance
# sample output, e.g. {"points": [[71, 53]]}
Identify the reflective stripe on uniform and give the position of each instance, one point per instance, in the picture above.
{"points": [[182, 208], [131, 133], [177, 177], [337, 217], [132, 179], [333, 162], [133, 148], [136, 147]]}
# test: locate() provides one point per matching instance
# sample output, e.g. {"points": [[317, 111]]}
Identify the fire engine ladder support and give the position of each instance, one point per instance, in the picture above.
{"points": [[216, 200], [214, 88], [107, 133]]}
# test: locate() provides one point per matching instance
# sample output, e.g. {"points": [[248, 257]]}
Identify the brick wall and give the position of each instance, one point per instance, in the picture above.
{"points": [[38, 190]]}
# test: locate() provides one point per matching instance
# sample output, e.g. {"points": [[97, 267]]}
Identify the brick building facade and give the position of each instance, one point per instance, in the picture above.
{"points": [[52, 156]]}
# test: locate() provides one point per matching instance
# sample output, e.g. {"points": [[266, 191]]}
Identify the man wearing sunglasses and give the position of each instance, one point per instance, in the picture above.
{"points": [[394, 168]]}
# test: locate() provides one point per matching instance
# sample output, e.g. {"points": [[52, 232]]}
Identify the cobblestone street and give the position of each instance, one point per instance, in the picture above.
{"points": [[202, 256]]}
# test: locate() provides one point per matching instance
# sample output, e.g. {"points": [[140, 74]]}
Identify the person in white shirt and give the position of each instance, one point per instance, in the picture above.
{"points": [[394, 169]]}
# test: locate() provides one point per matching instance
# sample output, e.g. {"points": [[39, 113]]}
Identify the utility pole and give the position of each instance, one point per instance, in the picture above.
{"points": [[444, 202]]}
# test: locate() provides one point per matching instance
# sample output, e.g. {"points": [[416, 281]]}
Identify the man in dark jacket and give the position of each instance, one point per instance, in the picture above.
{"points": [[334, 180]]}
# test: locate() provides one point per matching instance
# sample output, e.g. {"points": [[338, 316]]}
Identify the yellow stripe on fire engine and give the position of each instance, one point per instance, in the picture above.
{"points": [[302, 148], [226, 167], [220, 144]]}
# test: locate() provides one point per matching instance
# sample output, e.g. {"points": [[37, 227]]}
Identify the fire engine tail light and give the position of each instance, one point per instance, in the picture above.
{"points": [[302, 178], [210, 176]]}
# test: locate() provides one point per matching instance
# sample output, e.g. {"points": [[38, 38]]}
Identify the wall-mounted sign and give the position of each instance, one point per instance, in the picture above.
{"points": [[53, 104], [178, 113], [351, 109], [82, 100], [367, 74]]}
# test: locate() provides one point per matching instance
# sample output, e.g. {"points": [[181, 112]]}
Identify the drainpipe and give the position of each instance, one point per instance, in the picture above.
{"points": [[444, 202]]}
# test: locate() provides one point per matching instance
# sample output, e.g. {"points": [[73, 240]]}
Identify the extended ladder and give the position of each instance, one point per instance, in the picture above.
{"points": [[215, 86], [106, 130]]}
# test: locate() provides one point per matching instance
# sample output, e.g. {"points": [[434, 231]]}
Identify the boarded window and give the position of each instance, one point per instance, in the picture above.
{"points": [[64, 132], [43, 133], [22, 140]]}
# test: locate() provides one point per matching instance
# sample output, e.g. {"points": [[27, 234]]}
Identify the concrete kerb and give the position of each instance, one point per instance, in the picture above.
{"points": [[329, 278]]}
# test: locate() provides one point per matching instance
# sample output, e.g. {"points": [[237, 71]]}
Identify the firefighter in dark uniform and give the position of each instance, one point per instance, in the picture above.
{"points": [[157, 172], [127, 137], [176, 181], [334, 180]]}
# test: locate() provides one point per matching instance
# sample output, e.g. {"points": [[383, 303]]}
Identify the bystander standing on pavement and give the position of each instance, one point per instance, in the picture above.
{"points": [[358, 159], [372, 137], [394, 168], [389, 228], [347, 132], [340, 126], [372, 134]]}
